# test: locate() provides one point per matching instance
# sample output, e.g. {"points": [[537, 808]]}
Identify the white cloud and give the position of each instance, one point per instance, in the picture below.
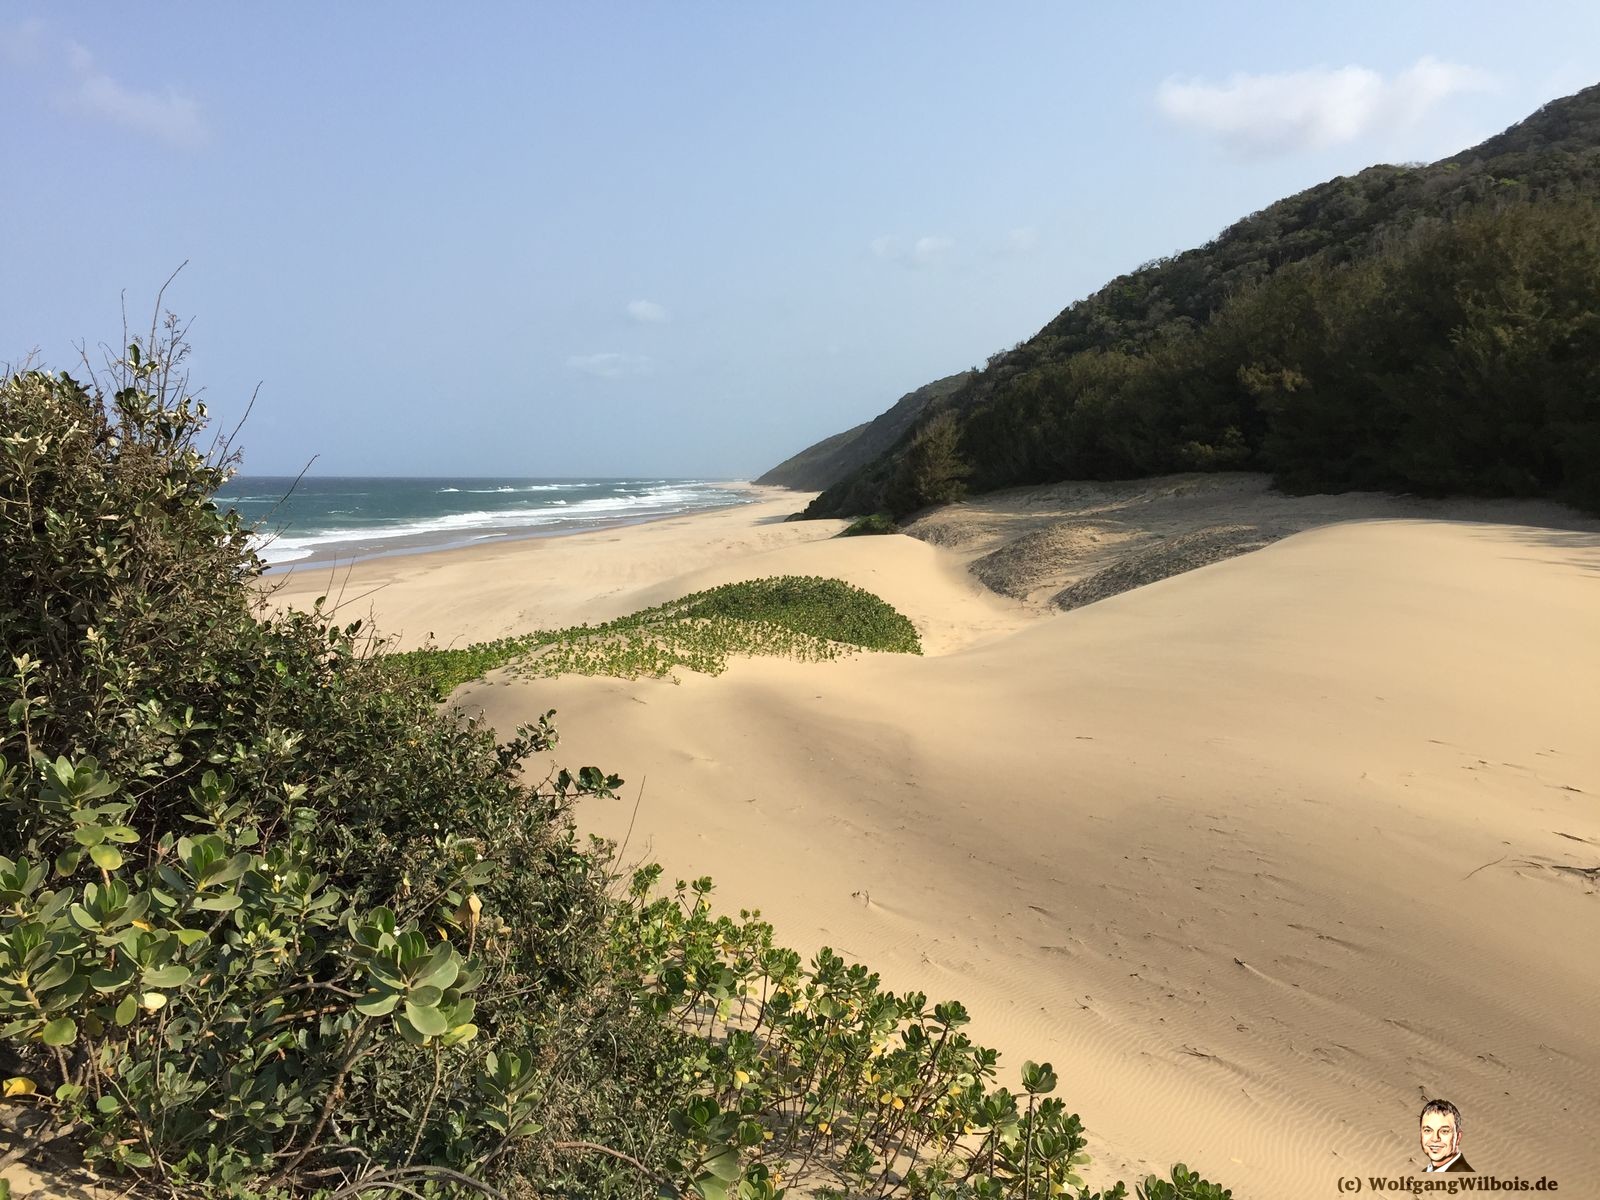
{"points": [[611, 365], [1260, 116], [166, 115], [66, 72], [924, 252], [648, 312]]}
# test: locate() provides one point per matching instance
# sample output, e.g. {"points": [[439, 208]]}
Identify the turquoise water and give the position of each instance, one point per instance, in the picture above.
{"points": [[354, 517]]}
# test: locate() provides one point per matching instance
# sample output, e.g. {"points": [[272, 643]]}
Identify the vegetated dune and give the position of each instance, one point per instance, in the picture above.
{"points": [[1260, 856]]}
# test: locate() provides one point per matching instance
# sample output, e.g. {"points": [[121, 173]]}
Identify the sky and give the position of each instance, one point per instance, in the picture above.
{"points": [[682, 239]]}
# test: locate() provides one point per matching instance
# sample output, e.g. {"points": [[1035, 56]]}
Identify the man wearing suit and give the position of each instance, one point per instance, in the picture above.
{"points": [[1441, 1137]]}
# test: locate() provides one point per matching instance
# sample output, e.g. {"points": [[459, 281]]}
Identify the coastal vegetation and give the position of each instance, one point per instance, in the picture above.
{"points": [[788, 616], [877, 523], [275, 923], [1427, 329], [832, 459]]}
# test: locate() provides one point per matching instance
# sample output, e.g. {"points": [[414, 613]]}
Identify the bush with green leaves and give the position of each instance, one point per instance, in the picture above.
{"points": [[230, 838], [877, 523], [272, 923], [811, 1075]]}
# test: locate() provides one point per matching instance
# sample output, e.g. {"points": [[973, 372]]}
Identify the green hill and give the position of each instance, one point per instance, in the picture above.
{"points": [[832, 459], [1426, 328]]}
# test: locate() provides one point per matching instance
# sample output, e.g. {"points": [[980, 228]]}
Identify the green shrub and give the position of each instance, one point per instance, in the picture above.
{"points": [[874, 524], [230, 843]]}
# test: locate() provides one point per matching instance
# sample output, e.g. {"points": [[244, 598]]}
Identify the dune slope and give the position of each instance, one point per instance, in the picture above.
{"points": [[1260, 855]]}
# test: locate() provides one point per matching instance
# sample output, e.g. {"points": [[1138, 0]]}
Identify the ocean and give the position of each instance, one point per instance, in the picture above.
{"points": [[353, 517]]}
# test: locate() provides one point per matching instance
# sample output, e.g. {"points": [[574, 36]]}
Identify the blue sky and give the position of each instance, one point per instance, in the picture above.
{"points": [[684, 238]]}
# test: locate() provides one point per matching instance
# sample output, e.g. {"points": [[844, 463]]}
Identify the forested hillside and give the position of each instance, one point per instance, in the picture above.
{"points": [[832, 459], [1416, 328]]}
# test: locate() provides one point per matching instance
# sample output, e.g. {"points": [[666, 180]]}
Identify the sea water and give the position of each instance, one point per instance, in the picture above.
{"points": [[352, 517]]}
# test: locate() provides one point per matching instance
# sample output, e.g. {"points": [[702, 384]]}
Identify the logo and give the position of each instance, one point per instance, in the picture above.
{"points": [[1440, 1126], [1439, 1130]]}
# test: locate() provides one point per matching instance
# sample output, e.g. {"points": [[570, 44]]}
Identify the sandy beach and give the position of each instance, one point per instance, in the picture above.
{"points": [[1261, 851]]}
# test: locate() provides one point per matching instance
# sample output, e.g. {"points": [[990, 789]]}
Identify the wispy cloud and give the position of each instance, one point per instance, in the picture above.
{"points": [[924, 252], [67, 74], [167, 115], [611, 365], [1262, 116], [648, 312]]}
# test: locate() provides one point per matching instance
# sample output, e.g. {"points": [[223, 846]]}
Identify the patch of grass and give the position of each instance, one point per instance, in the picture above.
{"points": [[790, 616], [876, 523]]}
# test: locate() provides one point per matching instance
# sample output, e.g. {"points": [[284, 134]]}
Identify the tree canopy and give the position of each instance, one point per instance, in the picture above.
{"points": [[1417, 328]]}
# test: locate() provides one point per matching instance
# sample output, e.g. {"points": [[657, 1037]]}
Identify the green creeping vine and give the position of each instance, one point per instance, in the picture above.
{"points": [[792, 616]]}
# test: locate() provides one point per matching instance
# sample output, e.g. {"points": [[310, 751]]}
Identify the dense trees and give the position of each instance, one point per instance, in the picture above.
{"points": [[1425, 329]]}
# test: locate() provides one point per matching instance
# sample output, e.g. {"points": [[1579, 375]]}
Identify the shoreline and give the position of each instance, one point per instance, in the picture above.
{"points": [[497, 586], [358, 548]]}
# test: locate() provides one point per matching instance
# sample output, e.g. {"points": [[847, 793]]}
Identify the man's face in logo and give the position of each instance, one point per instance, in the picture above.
{"points": [[1440, 1137]]}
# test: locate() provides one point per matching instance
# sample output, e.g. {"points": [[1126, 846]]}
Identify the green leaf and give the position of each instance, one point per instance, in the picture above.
{"points": [[54, 975], [425, 996], [377, 1004], [127, 1009], [225, 871], [1038, 1078], [63, 1031], [723, 1162], [426, 1020], [383, 973], [441, 969], [108, 1104], [169, 976], [107, 858]]}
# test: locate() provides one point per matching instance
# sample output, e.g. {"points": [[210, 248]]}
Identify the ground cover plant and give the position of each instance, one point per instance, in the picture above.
{"points": [[274, 923], [789, 616]]}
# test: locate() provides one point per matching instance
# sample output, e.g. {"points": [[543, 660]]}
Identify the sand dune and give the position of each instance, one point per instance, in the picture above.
{"points": [[1260, 855]]}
